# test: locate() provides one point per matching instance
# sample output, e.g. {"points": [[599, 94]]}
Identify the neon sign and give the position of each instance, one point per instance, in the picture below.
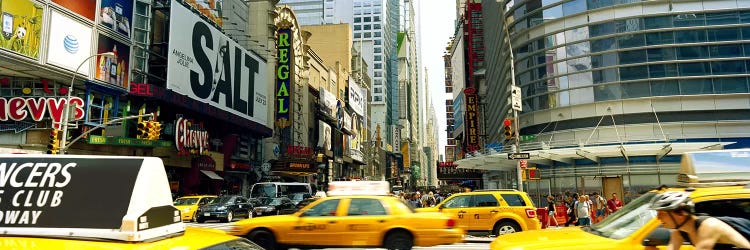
{"points": [[283, 74]]}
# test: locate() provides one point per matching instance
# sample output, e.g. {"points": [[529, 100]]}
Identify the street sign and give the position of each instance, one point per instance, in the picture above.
{"points": [[528, 137], [515, 96], [518, 156]]}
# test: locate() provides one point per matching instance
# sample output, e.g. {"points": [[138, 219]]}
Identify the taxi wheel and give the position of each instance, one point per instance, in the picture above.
{"points": [[265, 239], [505, 227], [398, 240]]}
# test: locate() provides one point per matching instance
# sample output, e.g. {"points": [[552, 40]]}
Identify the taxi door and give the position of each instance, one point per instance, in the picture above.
{"points": [[459, 206], [318, 225], [365, 219], [483, 211]]}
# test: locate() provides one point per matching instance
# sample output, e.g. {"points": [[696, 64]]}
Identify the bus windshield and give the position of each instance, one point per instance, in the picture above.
{"points": [[263, 190]]}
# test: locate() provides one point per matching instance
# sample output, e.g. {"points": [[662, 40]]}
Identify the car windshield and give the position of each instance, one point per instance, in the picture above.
{"points": [[627, 220], [185, 201], [272, 202], [221, 200]]}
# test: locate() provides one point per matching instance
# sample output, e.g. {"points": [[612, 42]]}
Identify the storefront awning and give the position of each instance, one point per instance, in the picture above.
{"points": [[492, 160], [212, 175], [293, 173]]}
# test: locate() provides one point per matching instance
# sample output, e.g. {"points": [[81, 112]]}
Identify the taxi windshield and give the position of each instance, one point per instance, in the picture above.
{"points": [[185, 201], [627, 220]]}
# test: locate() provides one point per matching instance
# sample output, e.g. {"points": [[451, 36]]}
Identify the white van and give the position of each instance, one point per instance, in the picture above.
{"points": [[279, 189]]}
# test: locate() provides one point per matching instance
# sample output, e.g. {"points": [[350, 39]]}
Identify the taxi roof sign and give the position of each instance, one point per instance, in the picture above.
{"points": [[344, 188], [81, 196], [715, 168]]}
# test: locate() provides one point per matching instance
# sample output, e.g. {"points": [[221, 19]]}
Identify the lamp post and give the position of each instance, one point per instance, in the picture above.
{"points": [[66, 113]]}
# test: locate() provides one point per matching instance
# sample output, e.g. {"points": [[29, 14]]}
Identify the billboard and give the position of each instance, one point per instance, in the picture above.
{"points": [[69, 43], [116, 15], [206, 65], [22, 27], [114, 71], [85, 8], [357, 98]]}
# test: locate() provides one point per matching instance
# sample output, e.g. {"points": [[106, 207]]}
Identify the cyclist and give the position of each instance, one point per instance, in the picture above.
{"points": [[677, 211]]}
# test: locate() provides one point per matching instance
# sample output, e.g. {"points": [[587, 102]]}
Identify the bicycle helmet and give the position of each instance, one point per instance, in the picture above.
{"points": [[673, 200]]}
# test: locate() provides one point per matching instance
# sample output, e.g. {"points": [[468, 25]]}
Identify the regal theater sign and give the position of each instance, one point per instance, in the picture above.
{"points": [[38, 108]]}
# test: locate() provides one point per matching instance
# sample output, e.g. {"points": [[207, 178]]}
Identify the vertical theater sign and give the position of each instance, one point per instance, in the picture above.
{"points": [[472, 119], [289, 88]]}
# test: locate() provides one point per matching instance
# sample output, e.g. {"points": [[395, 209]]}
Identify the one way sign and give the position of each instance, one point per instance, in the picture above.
{"points": [[518, 156]]}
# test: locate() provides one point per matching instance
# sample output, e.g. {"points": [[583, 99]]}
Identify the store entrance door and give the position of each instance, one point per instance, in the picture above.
{"points": [[612, 185]]}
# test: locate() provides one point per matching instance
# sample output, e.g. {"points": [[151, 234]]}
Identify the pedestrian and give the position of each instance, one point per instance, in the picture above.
{"points": [[551, 211], [583, 211], [571, 204], [613, 204], [415, 200], [600, 206]]}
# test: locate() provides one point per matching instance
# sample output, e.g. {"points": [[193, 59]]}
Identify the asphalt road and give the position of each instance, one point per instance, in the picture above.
{"points": [[473, 243]]}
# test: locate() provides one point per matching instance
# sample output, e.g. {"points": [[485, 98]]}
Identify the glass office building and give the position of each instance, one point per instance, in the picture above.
{"points": [[601, 73]]}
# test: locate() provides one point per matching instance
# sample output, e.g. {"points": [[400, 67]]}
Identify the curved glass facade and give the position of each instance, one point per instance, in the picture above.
{"points": [[690, 50]]}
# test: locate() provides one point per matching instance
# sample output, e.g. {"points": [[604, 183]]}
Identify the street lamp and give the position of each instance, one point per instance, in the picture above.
{"points": [[66, 114]]}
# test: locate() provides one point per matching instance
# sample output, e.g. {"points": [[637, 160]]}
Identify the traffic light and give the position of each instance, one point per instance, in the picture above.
{"points": [[54, 142], [508, 129], [534, 174], [154, 131], [143, 128], [524, 175]]}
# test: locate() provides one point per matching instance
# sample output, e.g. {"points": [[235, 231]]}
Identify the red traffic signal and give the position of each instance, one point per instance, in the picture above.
{"points": [[534, 174]]}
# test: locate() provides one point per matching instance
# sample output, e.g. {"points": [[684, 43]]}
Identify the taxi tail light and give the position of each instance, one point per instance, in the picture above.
{"points": [[450, 223], [531, 213]]}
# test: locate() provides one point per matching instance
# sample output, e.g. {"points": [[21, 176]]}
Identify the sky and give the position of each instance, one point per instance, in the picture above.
{"points": [[436, 22]]}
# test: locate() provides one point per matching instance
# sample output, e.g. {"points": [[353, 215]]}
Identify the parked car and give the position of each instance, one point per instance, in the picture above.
{"points": [[225, 208], [188, 205], [275, 206]]}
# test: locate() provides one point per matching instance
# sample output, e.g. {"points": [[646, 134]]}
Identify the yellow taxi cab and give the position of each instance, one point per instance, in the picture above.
{"points": [[499, 211], [354, 214], [717, 183], [95, 202], [188, 205]]}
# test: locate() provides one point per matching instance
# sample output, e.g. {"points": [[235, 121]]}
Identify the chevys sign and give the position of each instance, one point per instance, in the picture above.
{"points": [[187, 137], [205, 65], [19, 108]]}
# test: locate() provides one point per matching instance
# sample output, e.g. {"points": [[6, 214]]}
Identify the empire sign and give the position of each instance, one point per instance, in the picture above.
{"points": [[472, 119]]}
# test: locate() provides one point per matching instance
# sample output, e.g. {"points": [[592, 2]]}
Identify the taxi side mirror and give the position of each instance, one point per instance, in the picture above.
{"points": [[441, 206], [659, 237]]}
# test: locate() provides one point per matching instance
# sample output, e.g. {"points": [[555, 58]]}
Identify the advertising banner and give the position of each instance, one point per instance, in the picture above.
{"points": [[324, 136], [328, 101], [85, 8], [69, 43], [357, 98], [22, 27], [116, 15], [114, 71], [206, 65]]}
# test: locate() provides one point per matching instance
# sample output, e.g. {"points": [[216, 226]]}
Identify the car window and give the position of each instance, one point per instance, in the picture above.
{"points": [[485, 200], [325, 208], [366, 207], [514, 200], [459, 201], [185, 201], [730, 207], [628, 219], [205, 200]]}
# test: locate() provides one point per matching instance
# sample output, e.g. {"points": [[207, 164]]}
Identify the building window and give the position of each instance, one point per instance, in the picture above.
{"points": [[367, 35], [378, 58], [377, 34], [376, 26], [378, 90], [357, 27], [378, 42], [378, 50], [367, 19], [367, 27], [357, 35], [378, 73], [357, 19], [376, 18], [378, 66], [378, 98]]}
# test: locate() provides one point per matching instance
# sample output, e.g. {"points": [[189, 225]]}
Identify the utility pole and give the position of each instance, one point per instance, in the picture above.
{"points": [[515, 103]]}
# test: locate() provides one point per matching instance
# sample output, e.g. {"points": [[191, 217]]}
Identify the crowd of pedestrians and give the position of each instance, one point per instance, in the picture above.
{"points": [[582, 210], [419, 199]]}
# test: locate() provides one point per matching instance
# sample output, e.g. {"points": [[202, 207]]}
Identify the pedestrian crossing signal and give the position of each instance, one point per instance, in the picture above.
{"points": [[534, 174], [54, 142]]}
